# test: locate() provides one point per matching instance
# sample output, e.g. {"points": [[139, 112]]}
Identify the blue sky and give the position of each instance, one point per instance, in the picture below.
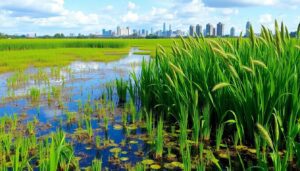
{"points": [[91, 16]]}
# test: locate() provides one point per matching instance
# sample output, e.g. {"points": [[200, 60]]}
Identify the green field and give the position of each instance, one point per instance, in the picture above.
{"points": [[23, 53]]}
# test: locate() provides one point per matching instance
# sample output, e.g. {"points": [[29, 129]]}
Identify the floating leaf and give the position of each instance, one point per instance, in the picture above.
{"points": [[155, 166], [147, 162]]}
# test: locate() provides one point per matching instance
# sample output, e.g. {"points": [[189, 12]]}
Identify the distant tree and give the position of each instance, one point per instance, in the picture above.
{"points": [[59, 35], [152, 36], [3, 36]]}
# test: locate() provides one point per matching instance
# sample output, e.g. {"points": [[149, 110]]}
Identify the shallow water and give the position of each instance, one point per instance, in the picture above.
{"points": [[82, 81]]}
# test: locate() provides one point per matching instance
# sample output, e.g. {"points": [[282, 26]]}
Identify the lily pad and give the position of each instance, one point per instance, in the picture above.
{"points": [[147, 162], [132, 127], [124, 152], [177, 164], [115, 150], [133, 142], [168, 166], [224, 156], [155, 166], [124, 159], [118, 127]]}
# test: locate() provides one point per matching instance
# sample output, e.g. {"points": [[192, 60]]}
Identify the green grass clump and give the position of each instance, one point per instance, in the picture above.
{"points": [[242, 81], [121, 86], [34, 94]]}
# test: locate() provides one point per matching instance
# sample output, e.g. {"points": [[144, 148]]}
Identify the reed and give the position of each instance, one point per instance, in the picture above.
{"points": [[121, 86], [241, 81], [159, 142]]}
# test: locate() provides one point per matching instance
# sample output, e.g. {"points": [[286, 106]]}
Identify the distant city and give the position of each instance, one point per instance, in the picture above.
{"points": [[126, 32], [208, 31]]}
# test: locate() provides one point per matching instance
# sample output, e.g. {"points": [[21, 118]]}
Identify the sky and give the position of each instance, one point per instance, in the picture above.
{"points": [[91, 16]]}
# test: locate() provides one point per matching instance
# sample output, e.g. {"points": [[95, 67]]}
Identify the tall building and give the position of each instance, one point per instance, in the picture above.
{"points": [[127, 31], [191, 31], [232, 32], [248, 26], [118, 31], [220, 29], [214, 31], [107, 33], [198, 29], [121, 32], [209, 30], [164, 28], [170, 31]]}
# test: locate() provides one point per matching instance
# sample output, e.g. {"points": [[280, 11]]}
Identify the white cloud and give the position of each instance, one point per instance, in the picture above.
{"points": [[266, 19], [230, 11], [33, 8], [239, 3], [131, 5], [109, 7], [130, 17]]}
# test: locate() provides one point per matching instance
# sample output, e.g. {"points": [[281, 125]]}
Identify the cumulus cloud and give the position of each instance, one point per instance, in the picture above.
{"points": [[230, 11], [33, 8], [239, 3], [266, 19], [131, 5], [130, 17]]}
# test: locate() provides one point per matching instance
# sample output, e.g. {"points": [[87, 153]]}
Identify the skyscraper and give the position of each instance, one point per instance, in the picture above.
{"points": [[118, 31], [170, 31], [198, 30], [232, 32], [192, 30], [248, 26], [164, 29], [220, 29], [127, 31], [209, 30]]}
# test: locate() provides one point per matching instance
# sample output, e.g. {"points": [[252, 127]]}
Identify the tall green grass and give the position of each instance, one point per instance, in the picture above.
{"points": [[25, 44], [242, 81]]}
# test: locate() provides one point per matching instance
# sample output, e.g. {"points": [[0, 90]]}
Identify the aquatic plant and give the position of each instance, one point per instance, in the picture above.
{"points": [[149, 124], [34, 94], [121, 86], [89, 128], [159, 141], [219, 135], [97, 165]]}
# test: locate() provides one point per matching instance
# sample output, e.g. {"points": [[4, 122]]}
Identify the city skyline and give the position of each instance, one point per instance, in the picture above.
{"points": [[91, 16]]}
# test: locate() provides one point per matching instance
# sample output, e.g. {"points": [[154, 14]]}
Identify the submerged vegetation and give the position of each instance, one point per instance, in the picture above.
{"points": [[216, 104]]}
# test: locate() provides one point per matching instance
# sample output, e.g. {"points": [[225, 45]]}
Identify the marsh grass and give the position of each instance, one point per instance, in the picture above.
{"points": [[121, 86], [240, 81]]}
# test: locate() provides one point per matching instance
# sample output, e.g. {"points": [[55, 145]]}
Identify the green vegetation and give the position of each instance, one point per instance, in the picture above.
{"points": [[244, 82], [20, 60], [19, 54], [26, 44]]}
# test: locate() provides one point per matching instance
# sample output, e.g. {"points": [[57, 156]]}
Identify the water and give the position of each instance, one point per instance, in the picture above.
{"points": [[80, 82]]}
